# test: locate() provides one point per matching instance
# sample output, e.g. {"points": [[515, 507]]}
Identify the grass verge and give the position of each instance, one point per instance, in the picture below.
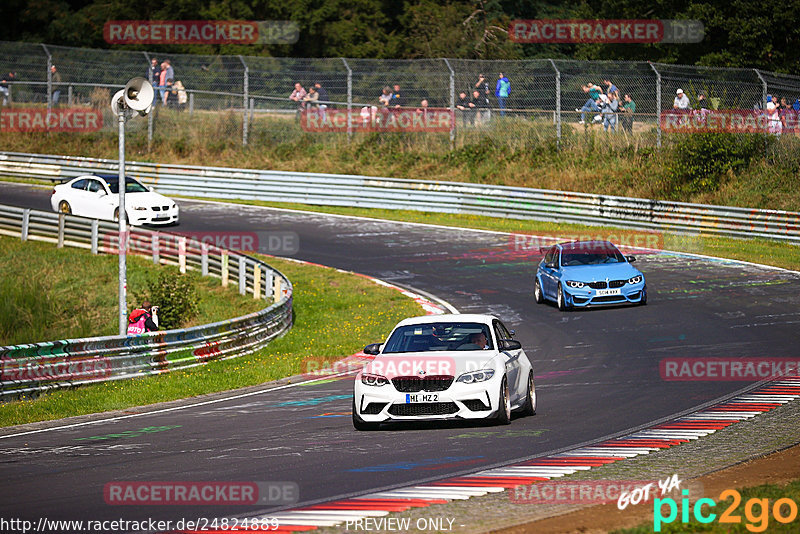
{"points": [[761, 251], [57, 293], [336, 314]]}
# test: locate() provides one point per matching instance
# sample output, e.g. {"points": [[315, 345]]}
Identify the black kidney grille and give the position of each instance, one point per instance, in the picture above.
{"points": [[423, 408], [597, 285], [413, 384]]}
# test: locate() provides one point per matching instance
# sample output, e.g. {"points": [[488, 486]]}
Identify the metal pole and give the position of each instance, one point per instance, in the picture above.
{"points": [[764, 90], [658, 105], [155, 96], [49, 80], [558, 104], [452, 103], [244, 101], [349, 99], [123, 239]]}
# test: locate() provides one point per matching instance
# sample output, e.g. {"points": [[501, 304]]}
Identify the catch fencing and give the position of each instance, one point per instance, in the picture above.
{"points": [[32, 368], [246, 95], [423, 195]]}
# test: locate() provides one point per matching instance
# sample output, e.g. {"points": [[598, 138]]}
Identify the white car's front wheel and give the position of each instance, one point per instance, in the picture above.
{"points": [[503, 416]]}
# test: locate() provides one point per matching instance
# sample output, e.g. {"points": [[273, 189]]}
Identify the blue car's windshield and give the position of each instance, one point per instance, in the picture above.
{"points": [[590, 257], [438, 336]]}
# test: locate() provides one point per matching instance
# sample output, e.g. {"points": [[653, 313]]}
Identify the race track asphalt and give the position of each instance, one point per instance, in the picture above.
{"points": [[597, 374]]}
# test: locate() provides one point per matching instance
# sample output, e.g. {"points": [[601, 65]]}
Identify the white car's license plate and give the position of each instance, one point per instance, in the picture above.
{"points": [[411, 398], [607, 292]]}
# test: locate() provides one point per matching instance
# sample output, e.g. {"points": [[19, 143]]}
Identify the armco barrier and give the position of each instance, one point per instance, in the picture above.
{"points": [[423, 195], [30, 368]]}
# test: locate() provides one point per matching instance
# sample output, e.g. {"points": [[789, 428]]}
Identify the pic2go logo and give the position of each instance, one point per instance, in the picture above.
{"points": [[783, 510]]}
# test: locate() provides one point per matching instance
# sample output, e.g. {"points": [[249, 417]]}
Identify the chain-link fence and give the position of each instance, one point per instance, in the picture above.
{"points": [[239, 99]]}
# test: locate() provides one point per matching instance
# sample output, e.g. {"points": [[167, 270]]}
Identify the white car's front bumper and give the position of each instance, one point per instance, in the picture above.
{"points": [[154, 215]]}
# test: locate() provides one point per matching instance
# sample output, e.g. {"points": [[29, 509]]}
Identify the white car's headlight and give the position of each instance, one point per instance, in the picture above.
{"points": [[575, 284], [476, 376], [635, 280], [374, 380]]}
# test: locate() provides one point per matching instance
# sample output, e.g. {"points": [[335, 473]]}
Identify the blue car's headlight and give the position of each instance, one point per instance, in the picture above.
{"points": [[575, 284], [374, 380], [636, 279], [476, 376]]}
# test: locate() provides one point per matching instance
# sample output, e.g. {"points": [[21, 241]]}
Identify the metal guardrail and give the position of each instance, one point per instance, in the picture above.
{"points": [[30, 368], [423, 195]]}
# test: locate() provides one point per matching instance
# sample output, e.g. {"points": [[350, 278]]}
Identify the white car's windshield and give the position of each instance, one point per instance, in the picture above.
{"points": [[131, 186], [439, 336]]}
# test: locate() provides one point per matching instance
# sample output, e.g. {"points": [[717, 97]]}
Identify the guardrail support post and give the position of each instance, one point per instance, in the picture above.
{"points": [[26, 221], [191, 103], [268, 285], [224, 272], [61, 218], [182, 254], [276, 288], [658, 105], [154, 242], [256, 281], [245, 99], [69, 94], [49, 80], [558, 105], [764, 90], [452, 104], [95, 236], [242, 276], [204, 259], [155, 98], [349, 99]]}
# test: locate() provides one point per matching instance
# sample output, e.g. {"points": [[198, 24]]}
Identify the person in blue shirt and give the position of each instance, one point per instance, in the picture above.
{"points": [[501, 91], [594, 92]]}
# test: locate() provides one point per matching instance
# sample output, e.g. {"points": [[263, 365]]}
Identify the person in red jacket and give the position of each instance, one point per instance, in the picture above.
{"points": [[144, 319]]}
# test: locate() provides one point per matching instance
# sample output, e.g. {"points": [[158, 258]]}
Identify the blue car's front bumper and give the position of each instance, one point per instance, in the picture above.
{"points": [[586, 296]]}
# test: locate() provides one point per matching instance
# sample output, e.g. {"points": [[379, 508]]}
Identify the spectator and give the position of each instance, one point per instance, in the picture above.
{"points": [[162, 83], [366, 116], [144, 319], [482, 84], [628, 111], [55, 77], [702, 103], [386, 96], [591, 104], [297, 96], [463, 105], [788, 116], [480, 107], [180, 93], [396, 100], [502, 90], [312, 97], [611, 88], [323, 98], [4, 90], [681, 102], [774, 125], [153, 72], [169, 78], [609, 111]]}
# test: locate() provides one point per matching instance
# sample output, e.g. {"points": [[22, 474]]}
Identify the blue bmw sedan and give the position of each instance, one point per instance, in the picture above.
{"points": [[588, 273]]}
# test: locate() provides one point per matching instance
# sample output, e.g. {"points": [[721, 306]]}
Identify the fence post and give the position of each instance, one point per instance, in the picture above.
{"points": [[155, 97], [95, 236], [658, 104], [558, 104], [49, 80], [256, 281], [242, 276], [26, 221], [764, 102], [349, 99], [69, 94], [191, 103], [61, 218], [244, 101], [452, 103]]}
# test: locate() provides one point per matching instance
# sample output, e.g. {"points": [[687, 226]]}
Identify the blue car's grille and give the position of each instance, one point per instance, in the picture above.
{"points": [[617, 283], [597, 285]]}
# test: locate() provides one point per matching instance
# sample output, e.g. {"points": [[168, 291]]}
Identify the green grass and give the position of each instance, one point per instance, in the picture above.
{"points": [[47, 293], [761, 251], [335, 315], [759, 520]]}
